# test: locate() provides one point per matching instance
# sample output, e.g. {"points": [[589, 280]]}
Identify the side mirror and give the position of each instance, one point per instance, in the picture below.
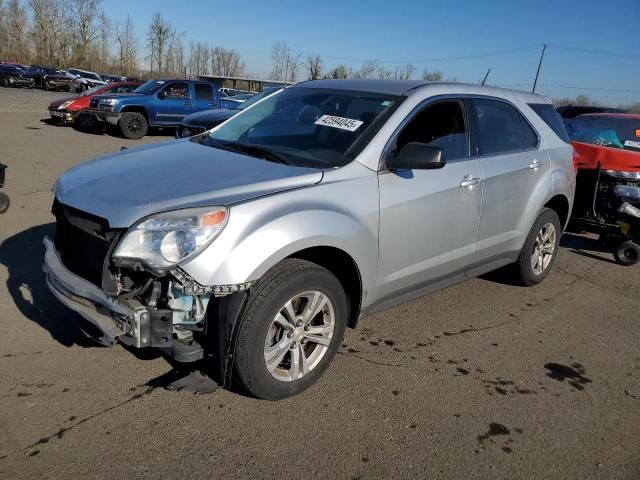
{"points": [[418, 156]]}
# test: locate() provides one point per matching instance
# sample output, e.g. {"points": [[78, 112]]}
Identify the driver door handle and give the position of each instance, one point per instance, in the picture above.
{"points": [[469, 181], [535, 163]]}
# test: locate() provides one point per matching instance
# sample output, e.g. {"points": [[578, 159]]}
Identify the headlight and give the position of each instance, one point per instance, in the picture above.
{"points": [[622, 175], [65, 105], [161, 241]]}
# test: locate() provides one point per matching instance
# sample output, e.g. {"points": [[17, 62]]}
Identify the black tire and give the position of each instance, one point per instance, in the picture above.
{"points": [[282, 283], [524, 271], [84, 122], [4, 202], [627, 253], [5, 83], [133, 125]]}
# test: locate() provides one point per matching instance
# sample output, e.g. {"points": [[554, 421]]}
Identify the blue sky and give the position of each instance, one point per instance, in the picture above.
{"points": [[402, 31]]}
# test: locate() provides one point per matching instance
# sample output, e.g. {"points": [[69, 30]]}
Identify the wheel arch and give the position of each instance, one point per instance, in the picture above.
{"points": [[560, 204], [137, 109]]}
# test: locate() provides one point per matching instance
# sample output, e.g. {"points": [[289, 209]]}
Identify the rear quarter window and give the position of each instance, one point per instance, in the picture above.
{"points": [[553, 120]]}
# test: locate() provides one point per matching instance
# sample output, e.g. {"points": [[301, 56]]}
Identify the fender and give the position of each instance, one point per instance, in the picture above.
{"points": [[262, 232]]}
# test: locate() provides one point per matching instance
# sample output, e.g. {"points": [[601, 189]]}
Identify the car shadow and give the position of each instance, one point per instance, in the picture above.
{"points": [[22, 255], [587, 247]]}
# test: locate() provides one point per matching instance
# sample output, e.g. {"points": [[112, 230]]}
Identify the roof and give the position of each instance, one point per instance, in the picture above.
{"points": [[404, 87], [628, 116]]}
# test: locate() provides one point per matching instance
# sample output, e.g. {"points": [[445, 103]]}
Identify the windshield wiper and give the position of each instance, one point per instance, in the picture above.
{"points": [[254, 151]]}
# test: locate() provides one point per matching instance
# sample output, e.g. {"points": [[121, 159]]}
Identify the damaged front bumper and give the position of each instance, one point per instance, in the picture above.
{"points": [[126, 320]]}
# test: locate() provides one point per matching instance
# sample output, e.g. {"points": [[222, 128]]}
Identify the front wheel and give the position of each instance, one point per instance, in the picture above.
{"points": [[4, 202], [290, 330], [540, 249], [133, 125]]}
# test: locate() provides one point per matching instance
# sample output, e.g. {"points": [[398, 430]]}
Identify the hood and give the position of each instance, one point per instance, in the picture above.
{"points": [[60, 101], [119, 96], [208, 117], [126, 186], [58, 76]]}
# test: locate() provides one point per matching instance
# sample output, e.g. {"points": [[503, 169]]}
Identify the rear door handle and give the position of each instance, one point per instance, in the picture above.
{"points": [[535, 164], [469, 181]]}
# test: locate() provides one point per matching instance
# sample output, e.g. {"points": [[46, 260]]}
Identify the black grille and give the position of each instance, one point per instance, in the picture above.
{"points": [[84, 242], [94, 102]]}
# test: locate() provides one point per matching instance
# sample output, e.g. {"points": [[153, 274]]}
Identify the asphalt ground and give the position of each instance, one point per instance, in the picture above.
{"points": [[483, 380]]}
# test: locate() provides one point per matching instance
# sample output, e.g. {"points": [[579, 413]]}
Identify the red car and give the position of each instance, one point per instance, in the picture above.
{"points": [[72, 110], [607, 198]]}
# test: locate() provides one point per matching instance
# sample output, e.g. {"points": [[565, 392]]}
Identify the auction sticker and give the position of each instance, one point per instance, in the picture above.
{"points": [[342, 123], [630, 143]]}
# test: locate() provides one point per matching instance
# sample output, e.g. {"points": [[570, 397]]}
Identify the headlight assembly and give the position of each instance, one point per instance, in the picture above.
{"points": [[623, 175], [161, 241], [65, 104]]}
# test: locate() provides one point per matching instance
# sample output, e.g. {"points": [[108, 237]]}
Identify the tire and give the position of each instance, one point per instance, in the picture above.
{"points": [[264, 348], [4, 202], [627, 253], [133, 125], [526, 272], [84, 121], [5, 83]]}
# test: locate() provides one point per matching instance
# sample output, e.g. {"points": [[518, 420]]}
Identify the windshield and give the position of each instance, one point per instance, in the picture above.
{"points": [[150, 87], [91, 91], [614, 131], [314, 127], [257, 97]]}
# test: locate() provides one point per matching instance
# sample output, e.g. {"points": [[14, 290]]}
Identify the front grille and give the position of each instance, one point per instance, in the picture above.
{"points": [[84, 242]]}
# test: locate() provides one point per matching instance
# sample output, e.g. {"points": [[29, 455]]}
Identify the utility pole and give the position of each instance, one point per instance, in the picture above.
{"points": [[485, 77], [535, 82]]}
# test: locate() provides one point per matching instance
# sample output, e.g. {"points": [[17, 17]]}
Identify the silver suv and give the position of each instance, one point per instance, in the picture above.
{"points": [[249, 248]]}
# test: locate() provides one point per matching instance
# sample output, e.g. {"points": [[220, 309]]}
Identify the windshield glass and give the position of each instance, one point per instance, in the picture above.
{"points": [[614, 131], [314, 127], [91, 91], [257, 97], [150, 87]]}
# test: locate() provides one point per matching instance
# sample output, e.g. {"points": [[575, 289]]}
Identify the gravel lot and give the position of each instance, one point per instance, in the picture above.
{"points": [[483, 380]]}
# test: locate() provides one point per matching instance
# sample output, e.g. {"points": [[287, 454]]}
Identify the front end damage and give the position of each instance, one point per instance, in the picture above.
{"points": [[171, 312]]}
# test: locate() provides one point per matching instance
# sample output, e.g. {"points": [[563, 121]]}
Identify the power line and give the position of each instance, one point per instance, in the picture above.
{"points": [[595, 52], [573, 87]]}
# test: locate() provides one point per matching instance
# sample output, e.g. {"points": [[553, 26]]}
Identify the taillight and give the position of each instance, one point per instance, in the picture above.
{"points": [[576, 160]]}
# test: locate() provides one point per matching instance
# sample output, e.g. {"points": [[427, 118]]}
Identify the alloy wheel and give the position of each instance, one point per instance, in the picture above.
{"points": [[543, 248], [299, 336]]}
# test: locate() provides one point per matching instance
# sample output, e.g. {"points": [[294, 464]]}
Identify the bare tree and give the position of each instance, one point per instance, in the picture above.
{"points": [[15, 24], [160, 38], [314, 67], [368, 69], [404, 72], [432, 76], [341, 71], [127, 47], [280, 52], [87, 20], [226, 62]]}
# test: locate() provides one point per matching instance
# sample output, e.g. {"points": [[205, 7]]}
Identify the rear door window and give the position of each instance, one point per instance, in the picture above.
{"points": [[547, 113], [204, 92], [501, 128]]}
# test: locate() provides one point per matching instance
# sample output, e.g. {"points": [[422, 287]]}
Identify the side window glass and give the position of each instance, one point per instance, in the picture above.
{"points": [[439, 125], [204, 92], [501, 128], [177, 90]]}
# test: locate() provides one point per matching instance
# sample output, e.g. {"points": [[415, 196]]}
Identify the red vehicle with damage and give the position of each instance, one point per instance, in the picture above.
{"points": [[607, 202], [73, 110]]}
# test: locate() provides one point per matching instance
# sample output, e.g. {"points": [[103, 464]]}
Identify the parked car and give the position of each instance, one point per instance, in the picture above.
{"points": [[14, 77], [234, 102], [74, 110], [157, 103], [59, 80], [38, 73], [608, 181], [84, 79], [114, 78], [252, 247], [571, 111], [197, 123]]}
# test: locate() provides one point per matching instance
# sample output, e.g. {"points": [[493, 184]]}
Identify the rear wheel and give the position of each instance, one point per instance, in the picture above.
{"points": [[540, 249], [627, 253], [133, 125], [290, 330], [84, 121]]}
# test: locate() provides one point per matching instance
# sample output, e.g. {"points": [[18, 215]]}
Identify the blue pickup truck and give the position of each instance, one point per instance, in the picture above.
{"points": [[157, 103]]}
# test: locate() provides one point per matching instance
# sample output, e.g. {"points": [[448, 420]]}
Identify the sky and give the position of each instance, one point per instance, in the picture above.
{"points": [[463, 38]]}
